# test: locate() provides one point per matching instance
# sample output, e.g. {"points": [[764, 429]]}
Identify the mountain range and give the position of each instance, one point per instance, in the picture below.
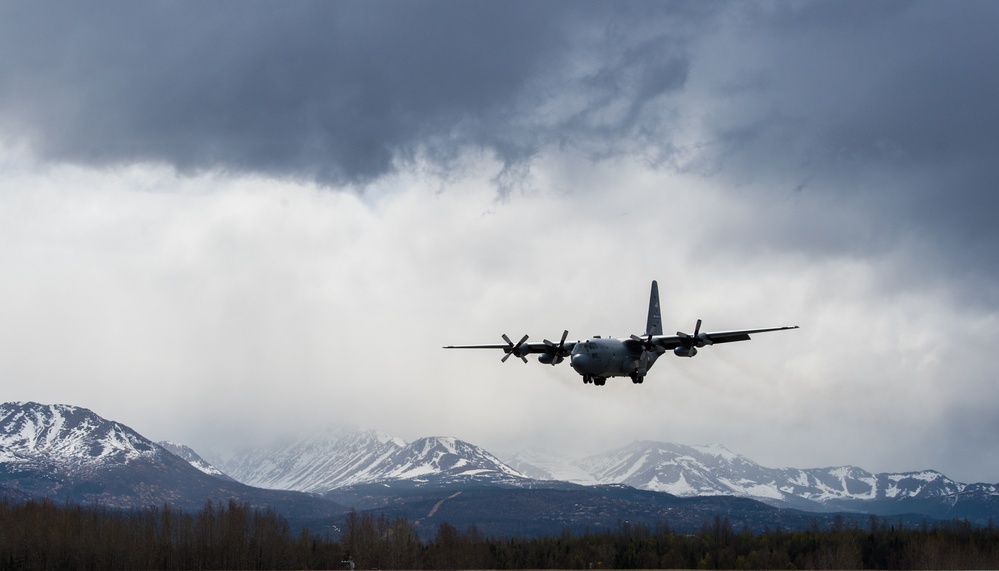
{"points": [[367, 457], [688, 471], [67, 452], [348, 457]]}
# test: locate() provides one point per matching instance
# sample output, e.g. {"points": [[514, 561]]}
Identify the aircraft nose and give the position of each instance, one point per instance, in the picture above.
{"points": [[578, 361]]}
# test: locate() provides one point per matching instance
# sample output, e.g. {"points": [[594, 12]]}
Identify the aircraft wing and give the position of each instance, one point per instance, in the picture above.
{"points": [[525, 348], [557, 351], [700, 339]]}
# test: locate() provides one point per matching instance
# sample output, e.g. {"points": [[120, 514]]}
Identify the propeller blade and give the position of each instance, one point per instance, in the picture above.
{"points": [[555, 354], [513, 349], [698, 339], [561, 343], [509, 350]]}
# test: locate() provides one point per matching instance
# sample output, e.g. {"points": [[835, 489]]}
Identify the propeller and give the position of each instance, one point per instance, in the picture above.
{"points": [[647, 347], [691, 342], [645, 342], [513, 349], [697, 330], [557, 352]]}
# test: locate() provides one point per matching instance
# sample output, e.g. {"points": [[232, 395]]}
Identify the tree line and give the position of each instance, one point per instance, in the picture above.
{"points": [[41, 534]]}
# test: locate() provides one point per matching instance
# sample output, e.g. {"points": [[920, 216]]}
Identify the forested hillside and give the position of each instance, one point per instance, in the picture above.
{"points": [[44, 535]]}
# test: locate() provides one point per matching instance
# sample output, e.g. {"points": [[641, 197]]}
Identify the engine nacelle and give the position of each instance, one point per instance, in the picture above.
{"points": [[682, 351], [550, 358]]}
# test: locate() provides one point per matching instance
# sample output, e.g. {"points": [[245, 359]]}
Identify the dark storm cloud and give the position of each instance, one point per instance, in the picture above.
{"points": [[889, 105], [329, 91]]}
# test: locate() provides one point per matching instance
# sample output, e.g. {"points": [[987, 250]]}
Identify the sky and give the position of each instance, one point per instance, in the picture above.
{"points": [[223, 224]]}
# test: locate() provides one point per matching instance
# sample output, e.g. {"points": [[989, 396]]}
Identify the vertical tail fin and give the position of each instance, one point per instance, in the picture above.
{"points": [[654, 326]]}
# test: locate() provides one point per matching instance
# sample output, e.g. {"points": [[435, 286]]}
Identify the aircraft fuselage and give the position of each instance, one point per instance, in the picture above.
{"points": [[599, 358]]}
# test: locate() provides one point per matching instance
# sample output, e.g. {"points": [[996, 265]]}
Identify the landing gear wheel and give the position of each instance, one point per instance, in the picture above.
{"points": [[637, 379], [599, 381]]}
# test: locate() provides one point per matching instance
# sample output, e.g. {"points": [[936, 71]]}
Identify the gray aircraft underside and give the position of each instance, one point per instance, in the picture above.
{"points": [[598, 359]]}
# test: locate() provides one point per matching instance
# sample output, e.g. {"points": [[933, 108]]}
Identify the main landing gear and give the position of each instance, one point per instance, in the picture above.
{"points": [[601, 381]]}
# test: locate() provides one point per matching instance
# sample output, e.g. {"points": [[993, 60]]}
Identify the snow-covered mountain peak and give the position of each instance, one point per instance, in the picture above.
{"points": [[347, 457], [716, 450], [449, 443], [676, 469], [445, 456], [193, 458], [66, 433], [390, 440], [318, 464]]}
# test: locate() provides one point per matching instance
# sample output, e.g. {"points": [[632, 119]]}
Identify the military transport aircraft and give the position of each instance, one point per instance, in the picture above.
{"points": [[599, 358]]}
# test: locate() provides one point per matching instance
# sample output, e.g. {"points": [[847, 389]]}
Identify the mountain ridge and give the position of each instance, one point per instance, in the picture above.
{"points": [[344, 458], [72, 454], [691, 471], [680, 470]]}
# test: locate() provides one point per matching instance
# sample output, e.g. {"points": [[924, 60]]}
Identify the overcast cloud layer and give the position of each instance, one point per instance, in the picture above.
{"points": [[227, 222]]}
